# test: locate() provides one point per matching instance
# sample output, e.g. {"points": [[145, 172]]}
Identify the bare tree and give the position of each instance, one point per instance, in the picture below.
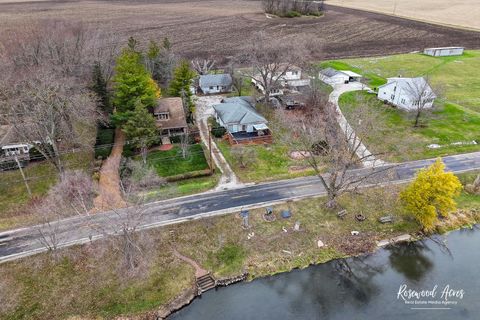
{"points": [[284, 7], [245, 156], [58, 44], [329, 151], [421, 96], [185, 144], [475, 186], [269, 6], [46, 112], [137, 177], [122, 231], [238, 78], [203, 66], [71, 196], [270, 59]]}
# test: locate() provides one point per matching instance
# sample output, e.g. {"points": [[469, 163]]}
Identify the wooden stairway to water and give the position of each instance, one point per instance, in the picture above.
{"points": [[205, 283]]}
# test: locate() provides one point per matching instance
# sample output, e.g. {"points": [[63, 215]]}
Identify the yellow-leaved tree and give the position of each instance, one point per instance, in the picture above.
{"points": [[431, 194]]}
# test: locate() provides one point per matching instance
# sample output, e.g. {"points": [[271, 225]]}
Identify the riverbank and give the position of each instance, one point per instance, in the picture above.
{"points": [[74, 283], [362, 287]]}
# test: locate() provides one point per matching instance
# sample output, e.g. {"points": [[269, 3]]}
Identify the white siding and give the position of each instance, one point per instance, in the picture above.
{"points": [[214, 89], [292, 75], [398, 97], [443, 52], [336, 79]]}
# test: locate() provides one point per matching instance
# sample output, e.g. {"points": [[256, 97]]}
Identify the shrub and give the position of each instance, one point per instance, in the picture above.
{"points": [[136, 176], [104, 143], [190, 175], [292, 14], [431, 194], [217, 130], [244, 156]]}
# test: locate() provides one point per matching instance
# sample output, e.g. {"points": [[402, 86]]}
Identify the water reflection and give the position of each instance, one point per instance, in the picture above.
{"points": [[356, 288], [410, 260]]}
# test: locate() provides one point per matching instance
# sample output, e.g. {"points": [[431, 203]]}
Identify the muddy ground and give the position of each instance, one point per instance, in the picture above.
{"points": [[221, 28], [463, 13]]}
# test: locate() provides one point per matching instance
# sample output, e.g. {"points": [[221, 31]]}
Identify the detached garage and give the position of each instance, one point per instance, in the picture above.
{"points": [[332, 77], [444, 52]]}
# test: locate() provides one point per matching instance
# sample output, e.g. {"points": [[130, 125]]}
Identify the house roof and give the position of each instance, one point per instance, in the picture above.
{"points": [[176, 113], [444, 48], [211, 80], [238, 110], [329, 72], [8, 136], [351, 73], [407, 83]]}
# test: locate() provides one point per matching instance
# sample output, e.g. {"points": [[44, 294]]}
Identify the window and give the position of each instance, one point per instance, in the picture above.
{"points": [[162, 116], [392, 96], [211, 88], [294, 73]]}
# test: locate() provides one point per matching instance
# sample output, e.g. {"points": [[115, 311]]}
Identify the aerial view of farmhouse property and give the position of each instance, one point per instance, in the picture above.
{"points": [[239, 159]]}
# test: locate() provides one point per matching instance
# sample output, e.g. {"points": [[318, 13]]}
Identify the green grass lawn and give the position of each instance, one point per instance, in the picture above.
{"points": [[171, 163], [41, 176], [457, 76], [183, 187], [444, 126], [271, 163]]}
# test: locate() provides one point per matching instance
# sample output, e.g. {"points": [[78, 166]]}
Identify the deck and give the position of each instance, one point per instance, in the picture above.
{"points": [[248, 138]]}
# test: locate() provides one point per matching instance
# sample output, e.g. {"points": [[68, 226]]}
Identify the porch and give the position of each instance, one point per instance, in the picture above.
{"points": [[256, 137]]}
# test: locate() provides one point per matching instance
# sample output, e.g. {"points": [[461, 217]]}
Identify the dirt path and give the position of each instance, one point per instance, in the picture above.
{"points": [[199, 271], [203, 111], [109, 193]]}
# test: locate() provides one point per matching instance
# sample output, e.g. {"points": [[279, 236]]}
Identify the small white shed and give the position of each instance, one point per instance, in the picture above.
{"points": [[444, 51]]}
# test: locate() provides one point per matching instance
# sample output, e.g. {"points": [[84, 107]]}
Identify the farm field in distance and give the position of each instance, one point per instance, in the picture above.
{"points": [[463, 13], [219, 29]]}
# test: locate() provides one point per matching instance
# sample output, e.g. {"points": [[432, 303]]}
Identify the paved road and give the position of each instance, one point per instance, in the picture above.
{"points": [[27, 241]]}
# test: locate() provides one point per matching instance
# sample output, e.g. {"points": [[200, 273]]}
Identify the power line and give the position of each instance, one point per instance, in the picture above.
{"points": [[56, 174]]}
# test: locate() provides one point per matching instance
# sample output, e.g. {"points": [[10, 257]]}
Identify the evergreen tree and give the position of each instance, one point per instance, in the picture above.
{"points": [[431, 194], [132, 82], [99, 86], [152, 60], [140, 129], [180, 85]]}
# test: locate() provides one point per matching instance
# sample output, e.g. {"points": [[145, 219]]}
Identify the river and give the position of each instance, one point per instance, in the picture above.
{"points": [[360, 288]]}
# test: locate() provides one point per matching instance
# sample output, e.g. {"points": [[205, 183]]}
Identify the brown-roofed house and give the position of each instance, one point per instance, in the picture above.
{"points": [[170, 117]]}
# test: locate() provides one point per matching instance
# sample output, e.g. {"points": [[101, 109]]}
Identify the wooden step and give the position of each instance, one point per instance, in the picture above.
{"points": [[205, 282]]}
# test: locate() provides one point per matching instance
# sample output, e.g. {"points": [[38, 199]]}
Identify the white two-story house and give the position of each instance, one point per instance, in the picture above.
{"points": [[286, 77], [407, 93]]}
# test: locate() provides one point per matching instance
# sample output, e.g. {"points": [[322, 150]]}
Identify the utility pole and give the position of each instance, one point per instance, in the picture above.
{"points": [[23, 176], [212, 166]]}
